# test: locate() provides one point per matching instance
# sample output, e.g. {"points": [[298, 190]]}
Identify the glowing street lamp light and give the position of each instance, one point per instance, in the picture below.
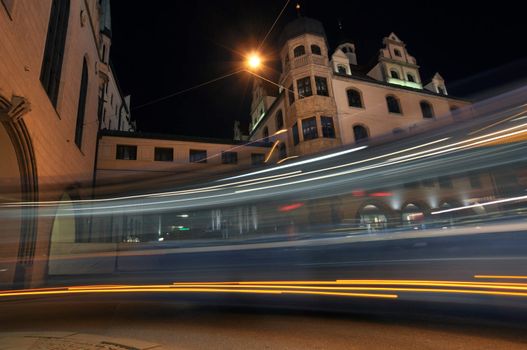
{"points": [[254, 61]]}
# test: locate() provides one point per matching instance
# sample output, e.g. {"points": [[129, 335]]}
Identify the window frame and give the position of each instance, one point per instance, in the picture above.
{"points": [[295, 133], [304, 84], [361, 139], [394, 74], [81, 105], [358, 94], [428, 111], [328, 131], [229, 157], [279, 120], [120, 153], [299, 51], [317, 49], [161, 150], [397, 103], [321, 85], [193, 153], [309, 130]]}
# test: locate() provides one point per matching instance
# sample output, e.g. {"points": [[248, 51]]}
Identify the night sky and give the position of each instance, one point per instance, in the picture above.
{"points": [[161, 47]]}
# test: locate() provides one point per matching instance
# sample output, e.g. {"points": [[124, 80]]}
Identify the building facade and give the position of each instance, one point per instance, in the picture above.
{"points": [[327, 99]]}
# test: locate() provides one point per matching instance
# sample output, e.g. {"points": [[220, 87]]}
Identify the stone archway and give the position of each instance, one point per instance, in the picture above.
{"points": [[15, 134]]}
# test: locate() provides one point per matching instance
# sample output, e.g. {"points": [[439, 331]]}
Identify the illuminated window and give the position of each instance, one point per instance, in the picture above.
{"points": [[341, 69], [397, 53], [229, 157], [394, 74], [328, 129], [299, 51], [360, 133], [309, 128], [410, 78], [304, 87], [426, 109], [393, 104], [162, 154], [81, 106], [279, 118], [322, 86], [126, 152], [315, 50], [296, 138], [197, 156], [54, 50], [354, 98]]}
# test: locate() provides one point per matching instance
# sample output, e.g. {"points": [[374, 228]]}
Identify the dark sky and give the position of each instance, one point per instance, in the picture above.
{"points": [[161, 47]]}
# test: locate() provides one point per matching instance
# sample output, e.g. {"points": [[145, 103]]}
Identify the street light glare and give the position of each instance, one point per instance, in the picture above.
{"points": [[254, 61]]}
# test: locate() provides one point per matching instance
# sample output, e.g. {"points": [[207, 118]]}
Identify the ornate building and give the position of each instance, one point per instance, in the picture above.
{"points": [[327, 99]]}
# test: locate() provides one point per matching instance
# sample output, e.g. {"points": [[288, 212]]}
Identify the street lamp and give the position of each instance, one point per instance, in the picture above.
{"points": [[254, 61]]}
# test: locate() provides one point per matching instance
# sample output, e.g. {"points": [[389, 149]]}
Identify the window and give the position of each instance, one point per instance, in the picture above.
{"points": [[197, 156], [291, 94], [410, 78], [341, 69], [397, 53], [309, 128], [345, 49], [296, 138], [393, 104], [282, 151], [322, 86], [441, 90], [257, 158], [81, 106], [279, 118], [126, 152], [445, 182], [475, 180], [162, 154], [299, 51], [266, 134], [315, 50], [360, 133], [229, 157], [426, 109], [394, 74], [304, 87], [354, 98], [328, 129], [54, 50]]}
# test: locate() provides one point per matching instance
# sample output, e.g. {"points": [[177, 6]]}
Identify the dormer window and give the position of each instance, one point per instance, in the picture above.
{"points": [[441, 90], [397, 53], [341, 69], [299, 51], [315, 50], [394, 74]]}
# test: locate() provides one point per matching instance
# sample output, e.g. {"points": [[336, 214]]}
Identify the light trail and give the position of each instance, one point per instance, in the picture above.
{"points": [[506, 200], [501, 277]]}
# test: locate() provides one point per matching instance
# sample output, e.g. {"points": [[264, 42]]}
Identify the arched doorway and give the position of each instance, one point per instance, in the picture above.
{"points": [[373, 217], [413, 214], [19, 165]]}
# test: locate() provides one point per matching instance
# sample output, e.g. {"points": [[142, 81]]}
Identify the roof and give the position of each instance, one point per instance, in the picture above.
{"points": [[156, 136], [302, 25]]}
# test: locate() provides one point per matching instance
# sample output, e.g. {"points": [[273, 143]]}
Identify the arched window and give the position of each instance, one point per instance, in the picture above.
{"points": [[354, 98], [393, 104], [341, 69], [350, 49], [81, 107], [266, 134], [54, 50], [426, 109], [299, 51], [360, 133], [282, 151], [394, 74], [279, 118], [397, 53], [345, 49], [410, 78], [315, 50]]}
